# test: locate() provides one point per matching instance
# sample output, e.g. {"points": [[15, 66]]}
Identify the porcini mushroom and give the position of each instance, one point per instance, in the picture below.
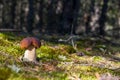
{"points": [[30, 44]]}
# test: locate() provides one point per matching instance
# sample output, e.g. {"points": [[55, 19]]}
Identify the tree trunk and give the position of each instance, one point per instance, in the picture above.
{"points": [[76, 7], [51, 16], [88, 17], [13, 6], [17, 15], [1, 15], [40, 13], [67, 16], [102, 18], [30, 17]]}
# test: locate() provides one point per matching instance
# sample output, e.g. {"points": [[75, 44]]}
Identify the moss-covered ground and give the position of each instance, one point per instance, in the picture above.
{"points": [[58, 61]]}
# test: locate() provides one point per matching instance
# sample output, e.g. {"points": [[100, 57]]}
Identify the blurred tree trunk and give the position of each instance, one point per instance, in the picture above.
{"points": [[4, 16], [7, 16], [40, 15], [1, 15], [30, 17], [51, 16], [59, 11], [95, 14], [88, 17], [62, 18], [67, 16], [103, 17], [76, 7], [17, 14], [13, 6]]}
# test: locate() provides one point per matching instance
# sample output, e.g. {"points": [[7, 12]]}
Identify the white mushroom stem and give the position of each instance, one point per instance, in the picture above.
{"points": [[30, 54]]}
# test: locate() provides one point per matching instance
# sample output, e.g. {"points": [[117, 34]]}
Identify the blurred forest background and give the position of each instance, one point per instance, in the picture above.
{"points": [[90, 17]]}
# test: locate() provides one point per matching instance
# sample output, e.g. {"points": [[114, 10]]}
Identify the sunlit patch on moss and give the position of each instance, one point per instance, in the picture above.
{"points": [[97, 58], [87, 77], [46, 52]]}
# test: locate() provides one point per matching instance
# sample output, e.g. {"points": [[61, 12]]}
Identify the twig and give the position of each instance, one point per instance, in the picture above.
{"points": [[71, 39], [10, 30]]}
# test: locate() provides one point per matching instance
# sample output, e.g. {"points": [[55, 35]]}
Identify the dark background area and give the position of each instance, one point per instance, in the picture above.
{"points": [[89, 17]]}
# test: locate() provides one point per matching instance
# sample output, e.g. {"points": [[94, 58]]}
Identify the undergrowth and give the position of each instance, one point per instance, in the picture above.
{"points": [[57, 61]]}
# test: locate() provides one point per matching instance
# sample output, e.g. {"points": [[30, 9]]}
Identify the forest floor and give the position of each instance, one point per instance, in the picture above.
{"points": [[60, 58]]}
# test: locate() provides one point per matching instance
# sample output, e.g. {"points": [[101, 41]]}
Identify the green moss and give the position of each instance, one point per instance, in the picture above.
{"points": [[4, 73], [87, 77], [84, 70], [97, 58], [69, 49], [10, 36], [21, 77], [46, 52], [53, 52], [5, 42], [55, 75], [13, 50], [84, 67], [7, 35], [8, 74]]}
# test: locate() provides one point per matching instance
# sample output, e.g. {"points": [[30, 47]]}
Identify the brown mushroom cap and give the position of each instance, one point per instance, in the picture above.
{"points": [[26, 42], [35, 42]]}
